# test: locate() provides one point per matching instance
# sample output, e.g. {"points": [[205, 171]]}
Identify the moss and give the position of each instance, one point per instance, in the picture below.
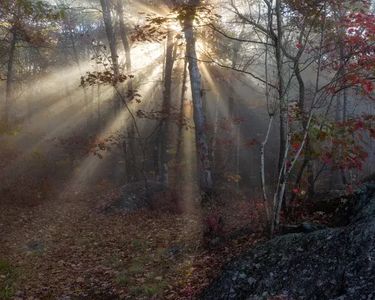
{"points": [[154, 289], [7, 278], [122, 279], [115, 262], [138, 244], [136, 267], [148, 290], [136, 290]]}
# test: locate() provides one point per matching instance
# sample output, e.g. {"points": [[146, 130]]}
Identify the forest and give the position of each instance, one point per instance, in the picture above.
{"points": [[187, 149]]}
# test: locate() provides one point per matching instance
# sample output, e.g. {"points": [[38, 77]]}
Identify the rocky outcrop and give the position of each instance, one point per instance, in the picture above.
{"points": [[334, 263]]}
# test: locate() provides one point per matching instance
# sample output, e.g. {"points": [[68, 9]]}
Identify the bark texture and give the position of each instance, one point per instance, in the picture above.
{"points": [[110, 35], [205, 174], [167, 94], [10, 75]]}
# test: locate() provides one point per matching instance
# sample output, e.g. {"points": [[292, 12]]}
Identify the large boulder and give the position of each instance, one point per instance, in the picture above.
{"points": [[135, 196], [334, 263]]}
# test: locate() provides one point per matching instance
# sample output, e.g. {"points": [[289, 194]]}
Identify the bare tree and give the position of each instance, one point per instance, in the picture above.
{"points": [[107, 18], [205, 174]]}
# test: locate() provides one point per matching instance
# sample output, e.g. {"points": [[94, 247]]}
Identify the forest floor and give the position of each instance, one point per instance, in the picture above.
{"points": [[67, 248]]}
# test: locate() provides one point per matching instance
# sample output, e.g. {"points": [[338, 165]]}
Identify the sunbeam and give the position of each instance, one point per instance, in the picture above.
{"points": [[149, 147]]}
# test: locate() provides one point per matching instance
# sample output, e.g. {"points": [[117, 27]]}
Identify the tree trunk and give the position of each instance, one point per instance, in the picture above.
{"points": [[131, 154], [129, 144], [182, 114], [214, 136], [283, 105], [110, 35], [124, 36], [281, 88], [204, 168], [107, 18], [77, 61], [167, 93], [10, 74], [236, 50]]}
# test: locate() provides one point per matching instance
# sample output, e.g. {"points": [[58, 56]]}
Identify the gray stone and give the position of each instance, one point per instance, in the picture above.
{"points": [[331, 263], [35, 246], [135, 196]]}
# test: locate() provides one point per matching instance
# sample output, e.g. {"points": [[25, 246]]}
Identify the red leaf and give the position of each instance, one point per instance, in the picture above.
{"points": [[368, 87], [296, 145]]}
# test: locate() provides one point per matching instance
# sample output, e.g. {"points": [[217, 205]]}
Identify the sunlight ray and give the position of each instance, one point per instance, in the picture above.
{"points": [[152, 9]]}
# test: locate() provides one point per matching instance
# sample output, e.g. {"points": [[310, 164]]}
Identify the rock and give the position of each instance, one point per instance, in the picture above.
{"points": [[331, 263], [330, 196], [135, 196], [173, 252], [35, 246], [301, 228]]}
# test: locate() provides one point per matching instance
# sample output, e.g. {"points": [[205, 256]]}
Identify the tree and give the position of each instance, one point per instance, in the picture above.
{"points": [[167, 102], [107, 17], [188, 14], [298, 35], [28, 22]]}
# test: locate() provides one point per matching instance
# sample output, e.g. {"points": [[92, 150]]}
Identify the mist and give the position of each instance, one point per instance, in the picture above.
{"points": [[145, 144]]}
